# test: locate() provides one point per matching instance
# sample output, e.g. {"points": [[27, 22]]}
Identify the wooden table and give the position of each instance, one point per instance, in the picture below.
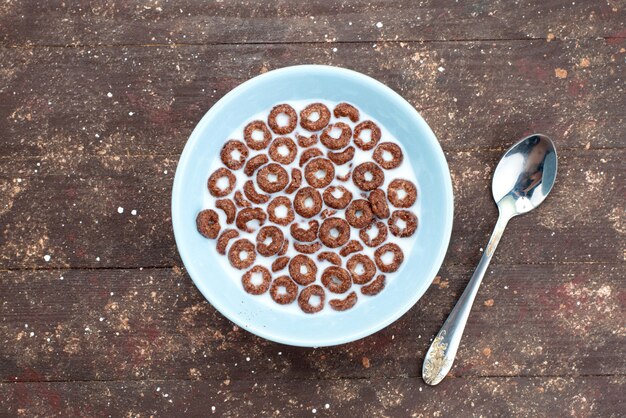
{"points": [[98, 316]]}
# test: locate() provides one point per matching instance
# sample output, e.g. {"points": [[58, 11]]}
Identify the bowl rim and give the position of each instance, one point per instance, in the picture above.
{"points": [[196, 135]]}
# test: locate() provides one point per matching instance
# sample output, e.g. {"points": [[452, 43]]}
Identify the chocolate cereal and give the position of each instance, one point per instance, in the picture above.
{"points": [[308, 234], [361, 267], [229, 209], [276, 237], [241, 201], [331, 257], [380, 237], [336, 143], [283, 290], [238, 248], [280, 263], [302, 269], [345, 303], [336, 279], [256, 289], [249, 214], [309, 154], [306, 141], [308, 122], [277, 146], [283, 250], [296, 181], [394, 151], [319, 172], [208, 223], [224, 239], [375, 287], [346, 110], [275, 204], [282, 109], [305, 295], [253, 195], [272, 178], [307, 202], [368, 176], [345, 197], [234, 163], [409, 190], [334, 232], [398, 257], [378, 202], [254, 163], [352, 246], [410, 223], [307, 248], [343, 157], [248, 135], [359, 213], [214, 178], [366, 125]]}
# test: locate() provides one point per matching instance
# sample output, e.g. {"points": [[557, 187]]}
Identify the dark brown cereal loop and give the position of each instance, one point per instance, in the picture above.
{"points": [[257, 125], [296, 181], [289, 291], [253, 195], [327, 213], [359, 213], [307, 248], [283, 250], [352, 246], [308, 154], [317, 166], [380, 237], [275, 204], [241, 201], [341, 158], [216, 176], [374, 135], [208, 223], [305, 296], [234, 254], [331, 257], [361, 267], [345, 303], [254, 163], [337, 202], [276, 236], [272, 178], [307, 202], [229, 209], [280, 263], [378, 201], [248, 214], [305, 235], [224, 238], [410, 193], [256, 289], [375, 287], [306, 141], [314, 125], [398, 257], [341, 141], [302, 269], [277, 145], [410, 220], [393, 149], [368, 176], [336, 279], [346, 110], [289, 112], [334, 232], [227, 154]]}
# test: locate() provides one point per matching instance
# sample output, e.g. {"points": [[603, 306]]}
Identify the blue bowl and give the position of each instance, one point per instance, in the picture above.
{"points": [[327, 327]]}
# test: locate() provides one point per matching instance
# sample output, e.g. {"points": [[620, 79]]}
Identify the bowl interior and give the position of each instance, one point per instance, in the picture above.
{"points": [[431, 170]]}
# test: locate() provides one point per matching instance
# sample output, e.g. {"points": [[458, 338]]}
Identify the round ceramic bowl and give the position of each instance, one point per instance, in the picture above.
{"points": [[328, 327]]}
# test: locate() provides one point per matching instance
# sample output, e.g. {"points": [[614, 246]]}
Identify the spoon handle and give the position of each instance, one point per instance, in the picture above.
{"points": [[442, 351]]}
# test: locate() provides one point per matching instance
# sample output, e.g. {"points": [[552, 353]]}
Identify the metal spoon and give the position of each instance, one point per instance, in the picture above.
{"points": [[522, 180]]}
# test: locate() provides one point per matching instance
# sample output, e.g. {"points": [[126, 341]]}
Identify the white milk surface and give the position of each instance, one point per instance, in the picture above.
{"points": [[404, 171]]}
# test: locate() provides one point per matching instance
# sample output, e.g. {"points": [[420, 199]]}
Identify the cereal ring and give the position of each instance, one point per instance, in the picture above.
{"points": [[378, 202], [283, 142], [367, 182], [282, 109], [299, 263], [366, 125], [375, 287], [329, 256], [398, 257], [351, 247], [305, 296], [229, 209], [248, 214], [254, 163], [329, 196], [253, 195], [280, 263], [340, 158], [346, 176], [393, 150], [327, 213], [307, 202], [410, 193], [224, 238], [306, 141], [314, 125], [280, 219], [272, 178], [208, 223], [289, 291], [341, 141], [283, 250], [234, 254], [380, 237], [277, 239], [334, 240], [314, 168], [296, 181], [254, 143], [234, 163], [307, 248], [345, 303], [359, 213], [305, 235], [361, 267], [256, 289], [346, 110], [214, 178], [307, 154], [336, 279], [241, 201], [409, 219]]}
